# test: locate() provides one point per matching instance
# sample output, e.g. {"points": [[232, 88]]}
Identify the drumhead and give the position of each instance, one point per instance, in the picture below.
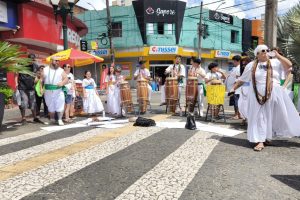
{"points": [[171, 78], [216, 82], [124, 82], [192, 78]]}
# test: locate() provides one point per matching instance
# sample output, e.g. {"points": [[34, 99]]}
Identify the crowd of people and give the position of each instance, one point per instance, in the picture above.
{"points": [[260, 91]]}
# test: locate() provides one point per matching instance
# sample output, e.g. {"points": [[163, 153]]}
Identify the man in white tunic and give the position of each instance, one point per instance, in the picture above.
{"points": [[178, 70], [270, 111], [143, 73], [54, 79]]}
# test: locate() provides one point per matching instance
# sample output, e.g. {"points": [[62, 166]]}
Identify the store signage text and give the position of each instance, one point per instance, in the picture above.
{"points": [[160, 12], [222, 54], [73, 37], [3, 12], [220, 17], [100, 52], [163, 50]]}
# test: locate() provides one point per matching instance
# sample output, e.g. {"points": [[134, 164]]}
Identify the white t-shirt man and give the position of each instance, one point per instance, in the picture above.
{"points": [[176, 69]]}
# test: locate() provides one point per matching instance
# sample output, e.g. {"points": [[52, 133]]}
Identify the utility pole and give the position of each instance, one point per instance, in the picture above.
{"points": [[200, 31], [271, 23], [109, 27]]}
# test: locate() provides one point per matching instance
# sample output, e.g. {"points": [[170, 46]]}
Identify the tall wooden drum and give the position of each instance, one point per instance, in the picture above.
{"points": [[171, 89], [142, 94], [126, 98], [191, 93]]}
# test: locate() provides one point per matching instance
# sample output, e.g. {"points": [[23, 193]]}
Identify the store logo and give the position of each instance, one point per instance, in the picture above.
{"points": [[160, 12], [222, 54], [163, 50], [73, 37], [150, 11]]}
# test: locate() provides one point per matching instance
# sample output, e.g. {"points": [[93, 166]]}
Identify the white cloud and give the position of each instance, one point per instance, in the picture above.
{"points": [[98, 4]]}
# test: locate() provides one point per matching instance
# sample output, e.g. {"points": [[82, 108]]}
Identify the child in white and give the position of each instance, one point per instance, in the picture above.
{"points": [[91, 102]]}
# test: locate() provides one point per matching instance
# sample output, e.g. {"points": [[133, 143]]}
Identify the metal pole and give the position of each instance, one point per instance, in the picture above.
{"points": [[200, 31], [110, 32], [64, 14]]}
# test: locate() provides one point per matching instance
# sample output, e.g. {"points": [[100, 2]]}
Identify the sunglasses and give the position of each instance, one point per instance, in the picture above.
{"points": [[265, 50]]}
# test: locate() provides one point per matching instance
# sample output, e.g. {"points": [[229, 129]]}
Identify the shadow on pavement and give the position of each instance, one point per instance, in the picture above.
{"points": [[292, 181]]}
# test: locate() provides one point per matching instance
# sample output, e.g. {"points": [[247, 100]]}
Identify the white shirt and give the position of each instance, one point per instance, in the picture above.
{"points": [[69, 85], [177, 69], [235, 73], [53, 76], [145, 72], [198, 71], [210, 75]]}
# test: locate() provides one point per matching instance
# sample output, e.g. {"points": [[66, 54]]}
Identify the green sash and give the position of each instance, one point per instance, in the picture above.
{"points": [[282, 82], [296, 95], [52, 87], [204, 88]]}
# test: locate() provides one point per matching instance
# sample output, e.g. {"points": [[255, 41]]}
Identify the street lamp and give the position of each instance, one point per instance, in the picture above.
{"points": [[63, 9]]}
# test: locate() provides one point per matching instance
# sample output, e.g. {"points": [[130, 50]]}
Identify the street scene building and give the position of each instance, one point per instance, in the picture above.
{"points": [[149, 100]]}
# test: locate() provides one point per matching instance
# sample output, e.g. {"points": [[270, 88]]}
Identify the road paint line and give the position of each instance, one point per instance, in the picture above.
{"points": [[31, 181], [170, 177]]}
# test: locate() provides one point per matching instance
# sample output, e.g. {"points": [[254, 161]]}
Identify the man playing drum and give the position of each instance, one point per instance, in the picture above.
{"points": [[142, 73], [178, 70], [197, 71]]}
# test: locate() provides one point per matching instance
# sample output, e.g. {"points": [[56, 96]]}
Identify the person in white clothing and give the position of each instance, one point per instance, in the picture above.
{"points": [[234, 75], [91, 103], [197, 71], [113, 106], [178, 70], [214, 74], [143, 73], [69, 98], [270, 112], [54, 79]]}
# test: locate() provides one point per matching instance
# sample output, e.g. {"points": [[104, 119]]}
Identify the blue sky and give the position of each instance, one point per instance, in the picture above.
{"points": [[239, 11]]}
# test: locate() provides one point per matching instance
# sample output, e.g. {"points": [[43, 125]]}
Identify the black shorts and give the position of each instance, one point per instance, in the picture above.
{"points": [[28, 99]]}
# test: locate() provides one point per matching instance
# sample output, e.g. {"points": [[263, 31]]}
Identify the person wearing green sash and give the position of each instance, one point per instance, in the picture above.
{"points": [[54, 79]]}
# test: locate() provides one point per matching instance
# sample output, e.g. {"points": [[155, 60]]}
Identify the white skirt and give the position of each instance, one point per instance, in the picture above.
{"points": [[277, 117], [92, 103], [242, 103], [113, 100], [55, 100]]}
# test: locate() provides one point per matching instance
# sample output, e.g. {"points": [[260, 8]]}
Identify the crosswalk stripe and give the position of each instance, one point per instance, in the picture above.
{"points": [[31, 163], [23, 137], [171, 176], [24, 154], [29, 181]]}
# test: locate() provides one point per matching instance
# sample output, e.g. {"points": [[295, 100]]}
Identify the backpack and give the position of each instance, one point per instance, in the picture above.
{"points": [[190, 122], [140, 121]]}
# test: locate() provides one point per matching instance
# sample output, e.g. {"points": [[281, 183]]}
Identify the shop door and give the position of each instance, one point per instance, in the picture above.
{"points": [[158, 71]]}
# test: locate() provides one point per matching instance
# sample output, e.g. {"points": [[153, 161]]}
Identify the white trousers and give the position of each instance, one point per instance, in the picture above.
{"points": [[55, 100], [201, 97]]}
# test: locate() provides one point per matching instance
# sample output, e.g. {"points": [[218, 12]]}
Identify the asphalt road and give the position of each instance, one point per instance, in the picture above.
{"points": [[144, 162]]}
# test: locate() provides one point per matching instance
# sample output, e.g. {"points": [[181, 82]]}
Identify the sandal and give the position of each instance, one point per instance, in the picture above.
{"points": [[68, 120], [258, 148], [235, 117], [268, 143]]}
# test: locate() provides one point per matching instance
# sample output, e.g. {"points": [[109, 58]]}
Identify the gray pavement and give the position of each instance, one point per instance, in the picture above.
{"points": [[144, 162]]}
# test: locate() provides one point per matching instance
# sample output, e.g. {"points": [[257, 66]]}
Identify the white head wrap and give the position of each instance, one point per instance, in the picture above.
{"points": [[259, 48]]}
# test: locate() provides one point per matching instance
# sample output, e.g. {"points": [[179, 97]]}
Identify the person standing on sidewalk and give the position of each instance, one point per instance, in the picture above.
{"points": [[69, 98], [54, 79], [39, 92], [25, 85]]}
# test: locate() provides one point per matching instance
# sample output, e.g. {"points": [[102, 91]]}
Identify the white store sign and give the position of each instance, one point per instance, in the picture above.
{"points": [[73, 37], [163, 50], [222, 54], [3, 12]]}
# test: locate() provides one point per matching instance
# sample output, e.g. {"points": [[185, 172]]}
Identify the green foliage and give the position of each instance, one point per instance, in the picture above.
{"points": [[289, 34], [7, 91], [12, 59]]}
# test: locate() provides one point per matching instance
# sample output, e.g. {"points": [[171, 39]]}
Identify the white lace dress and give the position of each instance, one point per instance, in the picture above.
{"points": [[92, 103]]}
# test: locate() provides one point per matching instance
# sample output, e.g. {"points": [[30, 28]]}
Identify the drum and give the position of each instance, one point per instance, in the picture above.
{"points": [[216, 82], [126, 98], [171, 89], [142, 94], [191, 93]]}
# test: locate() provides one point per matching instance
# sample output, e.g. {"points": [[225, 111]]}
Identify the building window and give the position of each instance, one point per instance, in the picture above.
{"points": [[160, 28], [150, 29], [170, 29], [234, 36], [116, 29]]}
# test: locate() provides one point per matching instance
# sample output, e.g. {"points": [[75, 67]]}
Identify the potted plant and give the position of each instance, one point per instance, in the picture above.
{"points": [[12, 59]]}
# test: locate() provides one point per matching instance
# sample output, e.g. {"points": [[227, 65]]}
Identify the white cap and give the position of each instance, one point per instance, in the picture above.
{"points": [[259, 48]]}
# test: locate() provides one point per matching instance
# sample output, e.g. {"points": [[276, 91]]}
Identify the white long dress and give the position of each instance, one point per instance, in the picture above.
{"points": [[92, 103], [278, 116], [113, 105], [243, 100]]}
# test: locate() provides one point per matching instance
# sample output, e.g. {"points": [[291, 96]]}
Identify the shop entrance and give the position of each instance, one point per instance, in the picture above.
{"points": [[158, 73]]}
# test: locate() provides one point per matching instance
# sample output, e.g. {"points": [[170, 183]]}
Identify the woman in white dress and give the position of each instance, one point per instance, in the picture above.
{"points": [[91, 103], [119, 79], [270, 111], [242, 103], [113, 105]]}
